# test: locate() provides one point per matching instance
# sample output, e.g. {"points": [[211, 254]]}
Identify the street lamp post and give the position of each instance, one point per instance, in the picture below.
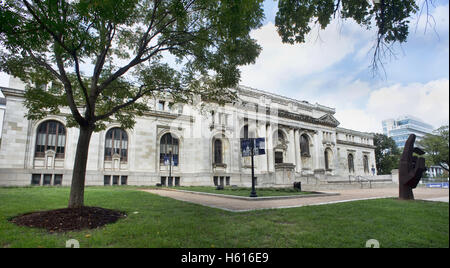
{"points": [[170, 168], [252, 153]]}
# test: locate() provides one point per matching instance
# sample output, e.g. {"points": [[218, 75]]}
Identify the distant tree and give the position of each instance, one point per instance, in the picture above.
{"points": [[436, 147], [125, 42], [387, 154]]}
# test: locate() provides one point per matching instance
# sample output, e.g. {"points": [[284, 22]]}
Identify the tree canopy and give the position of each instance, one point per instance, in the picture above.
{"points": [[390, 17], [124, 42], [387, 154], [436, 147]]}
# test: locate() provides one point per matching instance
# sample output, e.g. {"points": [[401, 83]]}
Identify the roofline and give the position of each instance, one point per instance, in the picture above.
{"points": [[355, 132], [304, 104]]}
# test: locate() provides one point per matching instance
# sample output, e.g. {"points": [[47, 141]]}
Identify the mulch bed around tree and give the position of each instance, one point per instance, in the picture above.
{"points": [[69, 219]]}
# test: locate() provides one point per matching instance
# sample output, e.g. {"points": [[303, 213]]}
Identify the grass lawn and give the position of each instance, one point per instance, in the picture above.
{"points": [[242, 191], [164, 222]]}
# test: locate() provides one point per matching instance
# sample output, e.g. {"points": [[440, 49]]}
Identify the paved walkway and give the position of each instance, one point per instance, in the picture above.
{"points": [[236, 205]]}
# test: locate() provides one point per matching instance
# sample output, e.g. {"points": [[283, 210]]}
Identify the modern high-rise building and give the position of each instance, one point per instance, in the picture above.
{"points": [[399, 129]]}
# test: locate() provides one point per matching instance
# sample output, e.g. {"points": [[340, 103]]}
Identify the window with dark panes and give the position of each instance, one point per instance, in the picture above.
{"points": [[51, 135], [107, 180], [366, 164], [304, 145], [116, 142], [278, 157], [123, 180], [47, 179], [58, 179], [36, 179], [218, 159], [351, 165], [169, 146], [115, 180]]}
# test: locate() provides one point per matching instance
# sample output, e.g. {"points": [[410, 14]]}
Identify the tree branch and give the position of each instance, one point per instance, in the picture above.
{"points": [[47, 66], [68, 88]]}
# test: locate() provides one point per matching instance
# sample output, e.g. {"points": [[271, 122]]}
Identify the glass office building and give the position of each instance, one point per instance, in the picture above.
{"points": [[399, 129]]}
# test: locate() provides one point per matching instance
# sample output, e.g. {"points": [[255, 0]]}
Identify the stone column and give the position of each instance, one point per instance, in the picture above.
{"points": [[317, 154], [291, 147], [298, 161], [269, 152]]}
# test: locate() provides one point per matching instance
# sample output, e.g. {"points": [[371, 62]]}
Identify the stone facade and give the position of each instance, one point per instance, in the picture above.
{"points": [[303, 143]]}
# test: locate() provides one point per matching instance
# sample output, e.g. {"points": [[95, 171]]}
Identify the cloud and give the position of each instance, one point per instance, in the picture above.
{"points": [[427, 101], [279, 63]]}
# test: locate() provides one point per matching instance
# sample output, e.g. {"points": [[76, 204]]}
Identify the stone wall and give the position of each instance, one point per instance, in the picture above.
{"points": [[196, 131]]}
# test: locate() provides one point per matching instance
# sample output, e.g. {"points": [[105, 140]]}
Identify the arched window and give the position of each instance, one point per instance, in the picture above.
{"points": [[218, 159], [51, 135], [116, 144], [246, 132], [366, 164], [351, 165], [281, 138], [168, 147], [304, 145]]}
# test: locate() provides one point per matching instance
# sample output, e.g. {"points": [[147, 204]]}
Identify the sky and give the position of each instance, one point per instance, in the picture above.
{"points": [[332, 68]]}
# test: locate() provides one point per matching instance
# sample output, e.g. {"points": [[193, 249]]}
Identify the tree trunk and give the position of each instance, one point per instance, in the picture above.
{"points": [[76, 199]]}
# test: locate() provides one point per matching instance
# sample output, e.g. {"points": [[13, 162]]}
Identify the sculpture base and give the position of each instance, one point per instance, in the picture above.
{"points": [[405, 193]]}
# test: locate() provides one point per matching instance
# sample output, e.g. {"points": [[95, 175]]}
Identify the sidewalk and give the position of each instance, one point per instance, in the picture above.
{"points": [[237, 205]]}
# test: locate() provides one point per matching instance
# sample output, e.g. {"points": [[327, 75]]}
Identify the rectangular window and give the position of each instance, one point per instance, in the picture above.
{"points": [[170, 181], [215, 179], [161, 105], [58, 179], [123, 180], [107, 180], [47, 179], [36, 179], [115, 180], [177, 181], [278, 157], [163, 181], [227, 181]]}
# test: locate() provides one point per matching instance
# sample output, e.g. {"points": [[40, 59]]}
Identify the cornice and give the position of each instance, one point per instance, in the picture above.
{"points": [[355, 144], [12, 92]]}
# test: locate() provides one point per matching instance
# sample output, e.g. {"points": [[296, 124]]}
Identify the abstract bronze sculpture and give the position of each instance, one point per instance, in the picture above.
{"points": [[411, 169]]}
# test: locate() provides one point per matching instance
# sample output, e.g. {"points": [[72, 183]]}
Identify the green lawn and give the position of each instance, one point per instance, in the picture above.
{"points": [[243, 191], [164, 222]]}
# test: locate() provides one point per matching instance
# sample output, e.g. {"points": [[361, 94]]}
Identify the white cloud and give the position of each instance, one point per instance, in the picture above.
{"points": [[279, 63], [427, 101]]}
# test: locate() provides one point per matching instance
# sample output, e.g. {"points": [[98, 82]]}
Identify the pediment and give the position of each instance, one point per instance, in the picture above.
{"points": [[328, 119]]}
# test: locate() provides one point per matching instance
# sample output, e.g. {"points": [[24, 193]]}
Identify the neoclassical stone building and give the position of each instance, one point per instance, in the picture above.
{"points": [[303, 143]]}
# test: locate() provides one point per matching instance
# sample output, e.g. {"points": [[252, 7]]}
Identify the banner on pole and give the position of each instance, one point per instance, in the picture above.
{"points": [[257, 144]]}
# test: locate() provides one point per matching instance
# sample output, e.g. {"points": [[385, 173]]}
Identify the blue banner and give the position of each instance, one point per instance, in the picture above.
{"points": [[260, 145], [257, 144], [437, 185]]}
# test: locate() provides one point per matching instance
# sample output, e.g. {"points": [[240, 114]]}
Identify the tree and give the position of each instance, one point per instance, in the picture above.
{"points": [[387, 154], [436, 147], [47, 41], [390, 17]]}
